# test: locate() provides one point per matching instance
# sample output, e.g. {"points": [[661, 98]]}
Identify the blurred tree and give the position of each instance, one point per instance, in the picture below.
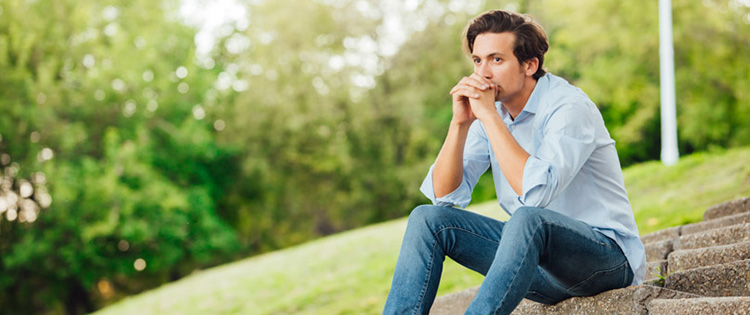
{"points": [[323, 151], [611, 50], [104, 98], [21, 200]]}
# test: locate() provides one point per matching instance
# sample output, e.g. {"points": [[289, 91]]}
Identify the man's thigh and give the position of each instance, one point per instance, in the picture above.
{"points": [[468, 238], [579, 260]]}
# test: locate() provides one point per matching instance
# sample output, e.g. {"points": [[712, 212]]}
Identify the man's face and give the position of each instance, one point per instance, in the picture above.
{"points": [[494, 59]]}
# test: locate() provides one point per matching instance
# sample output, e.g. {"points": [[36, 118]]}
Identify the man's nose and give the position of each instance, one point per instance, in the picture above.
{"points": [[484, 71]]}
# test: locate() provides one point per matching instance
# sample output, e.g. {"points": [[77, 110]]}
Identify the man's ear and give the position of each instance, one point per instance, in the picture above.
{"points": [[531, 66]]}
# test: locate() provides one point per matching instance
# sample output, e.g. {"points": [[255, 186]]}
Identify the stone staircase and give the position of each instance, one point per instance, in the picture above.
{"points": [[699, 268]]}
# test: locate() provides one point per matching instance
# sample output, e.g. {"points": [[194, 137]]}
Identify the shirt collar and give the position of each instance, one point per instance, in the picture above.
{"points": [[532, 104]]}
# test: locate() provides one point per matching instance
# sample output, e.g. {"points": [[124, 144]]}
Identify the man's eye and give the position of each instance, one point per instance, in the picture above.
{"points": [[477, 61], [497, 59]]}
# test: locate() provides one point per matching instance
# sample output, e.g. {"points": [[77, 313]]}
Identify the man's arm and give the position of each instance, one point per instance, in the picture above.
{"points": [[449, 167], [514, 157], [474, 161], [448, 171], [511, 157]]}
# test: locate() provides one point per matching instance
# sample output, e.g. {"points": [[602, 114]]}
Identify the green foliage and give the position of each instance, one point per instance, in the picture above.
{"points": [[611, 50], [135, 176], [330, 141]]}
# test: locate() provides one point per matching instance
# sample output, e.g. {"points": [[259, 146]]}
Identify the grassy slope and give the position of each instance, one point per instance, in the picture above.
{"points": [[349, 273], [669, 196]]}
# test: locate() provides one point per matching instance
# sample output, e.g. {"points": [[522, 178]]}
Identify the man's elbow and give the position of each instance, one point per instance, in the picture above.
{"points": [[443, 190], [535, 197]]}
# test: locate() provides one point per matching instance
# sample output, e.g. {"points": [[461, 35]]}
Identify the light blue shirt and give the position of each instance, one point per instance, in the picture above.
{"points": [[573, 166]]}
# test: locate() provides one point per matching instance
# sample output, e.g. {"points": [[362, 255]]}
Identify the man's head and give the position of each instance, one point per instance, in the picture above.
{"points": [[530, 39]]}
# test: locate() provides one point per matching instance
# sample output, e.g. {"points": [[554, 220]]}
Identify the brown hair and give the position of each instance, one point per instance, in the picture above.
{"points": [[531, 41]]}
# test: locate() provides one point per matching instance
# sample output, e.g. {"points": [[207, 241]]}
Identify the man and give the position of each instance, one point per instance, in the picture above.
{"points": [[556, 172]]}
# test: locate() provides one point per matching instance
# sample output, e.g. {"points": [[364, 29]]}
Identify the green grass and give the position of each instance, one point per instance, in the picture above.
{"points": [[350, 273], [668, 196]]}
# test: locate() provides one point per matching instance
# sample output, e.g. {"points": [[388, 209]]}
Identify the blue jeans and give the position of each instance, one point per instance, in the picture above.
{"points": [[538, 254]]}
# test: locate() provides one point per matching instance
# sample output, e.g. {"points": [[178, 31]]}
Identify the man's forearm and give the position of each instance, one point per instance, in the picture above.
{"points": [[511, 157], [449, 168]]}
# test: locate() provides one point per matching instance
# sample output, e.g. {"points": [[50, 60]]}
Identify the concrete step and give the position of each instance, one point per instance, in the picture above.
{"points": [[658, 250], [708, 305], [702, 257], [729, 279], [662, 235], [454, 303], [727, 208], [715, 223], [720, 236], [630, 300], [656, 269]]}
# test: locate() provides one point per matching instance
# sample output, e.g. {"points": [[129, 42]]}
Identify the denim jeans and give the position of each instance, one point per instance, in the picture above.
{"points": [[538, 254]]}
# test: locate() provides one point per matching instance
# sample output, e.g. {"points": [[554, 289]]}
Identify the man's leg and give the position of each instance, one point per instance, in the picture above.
{"points": [[575, 260], [432, 233]]}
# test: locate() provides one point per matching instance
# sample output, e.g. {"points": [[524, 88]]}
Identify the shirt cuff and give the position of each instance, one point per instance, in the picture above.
{"points": [[457, 198], [452, 200], [535, 174]]}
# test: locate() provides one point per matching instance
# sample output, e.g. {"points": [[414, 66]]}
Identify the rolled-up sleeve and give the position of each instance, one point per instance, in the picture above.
{"points": [[476, 161], [568, 141]]}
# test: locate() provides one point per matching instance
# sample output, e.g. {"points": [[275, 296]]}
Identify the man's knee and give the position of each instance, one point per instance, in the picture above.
{"points": [[531, 212], [529, 215], [427, 215], [423, 213]]}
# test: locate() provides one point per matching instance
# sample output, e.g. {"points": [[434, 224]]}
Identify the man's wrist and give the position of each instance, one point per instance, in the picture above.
{"points": [[491, 117], [460, 124]]}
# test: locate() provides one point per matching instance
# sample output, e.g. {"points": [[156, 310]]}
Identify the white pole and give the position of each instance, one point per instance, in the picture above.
{"points": [[669, 152]]}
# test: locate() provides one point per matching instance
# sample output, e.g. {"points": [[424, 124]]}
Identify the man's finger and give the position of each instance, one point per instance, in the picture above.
{"points": [[466, 92], [475, 82], [481, 80]]}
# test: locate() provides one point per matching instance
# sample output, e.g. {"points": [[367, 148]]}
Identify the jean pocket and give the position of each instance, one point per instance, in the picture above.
{"points": [[603, 280]]}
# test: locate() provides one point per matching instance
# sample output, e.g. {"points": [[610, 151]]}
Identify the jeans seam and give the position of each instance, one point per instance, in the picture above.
{"points": [[549, 283], [598, 272], [432, 255], [540, 294], [627, 274], [464, 230], [575, 231], [429, 275], [515, 274]]}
